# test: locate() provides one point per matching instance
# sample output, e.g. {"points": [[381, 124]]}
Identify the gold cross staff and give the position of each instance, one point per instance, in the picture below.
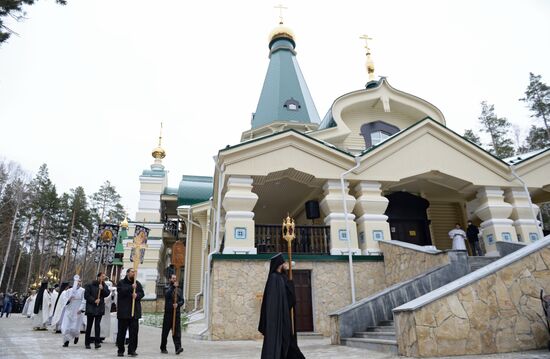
{"points": [[289, 235], [281, 8], [137, 245]]}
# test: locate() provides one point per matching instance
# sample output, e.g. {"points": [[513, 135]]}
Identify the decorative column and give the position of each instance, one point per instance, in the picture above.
{"points": [[525, 225], [238, 202], [494, 213], [334, 206], [372, 224]]}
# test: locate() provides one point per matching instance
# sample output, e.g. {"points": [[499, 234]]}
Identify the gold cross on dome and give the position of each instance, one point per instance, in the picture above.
{"points": [[281, 8], [366, 38]]}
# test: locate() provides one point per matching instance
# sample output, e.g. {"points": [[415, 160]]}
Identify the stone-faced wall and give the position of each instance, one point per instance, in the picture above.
{"points": [[498, 313], [402, 263], [237, 286]]}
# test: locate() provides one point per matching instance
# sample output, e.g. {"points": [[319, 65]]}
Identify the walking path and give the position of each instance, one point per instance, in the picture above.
{"points": [[17, 340]]}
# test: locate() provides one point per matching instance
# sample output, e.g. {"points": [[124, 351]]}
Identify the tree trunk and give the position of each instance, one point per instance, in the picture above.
{"points": [[9, 242], [10, 286], [68, 247], [36, 242]]}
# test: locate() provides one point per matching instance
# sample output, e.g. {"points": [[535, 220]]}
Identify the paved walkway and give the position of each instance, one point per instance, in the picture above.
{"points": [[17, 340]]}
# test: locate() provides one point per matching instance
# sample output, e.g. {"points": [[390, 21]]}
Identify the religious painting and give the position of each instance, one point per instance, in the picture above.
{"points": [[506, 236], [141, 234], [533, 237], [240, 233], [106, 242], [490, 239], [378, 235], [343, 235], [362, 237]]}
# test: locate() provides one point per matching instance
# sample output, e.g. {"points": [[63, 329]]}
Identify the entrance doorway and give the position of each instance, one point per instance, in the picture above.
{"points": [[408, 218], [304, 310]]}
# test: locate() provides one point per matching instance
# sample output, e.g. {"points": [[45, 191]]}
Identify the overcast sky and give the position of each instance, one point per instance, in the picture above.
{"points": [[85, 86]]}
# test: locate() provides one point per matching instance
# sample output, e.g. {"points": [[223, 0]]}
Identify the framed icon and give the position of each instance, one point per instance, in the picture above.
{"points": [[378, 235], [240, 233], [490, 239], [506, 236], [342, 235], [533, 237]]}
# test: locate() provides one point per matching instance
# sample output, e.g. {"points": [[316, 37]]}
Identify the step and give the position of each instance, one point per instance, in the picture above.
{"points": [[310, 335], [380, 345], [380, 329], [375, 335], [386, 323]]}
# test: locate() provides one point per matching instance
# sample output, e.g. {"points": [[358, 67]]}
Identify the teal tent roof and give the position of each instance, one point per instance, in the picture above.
{"points": [[285, 95], [194, 189]]}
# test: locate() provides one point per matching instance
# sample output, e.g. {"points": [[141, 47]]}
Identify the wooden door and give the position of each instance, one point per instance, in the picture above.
{"points": [[304, 310]]}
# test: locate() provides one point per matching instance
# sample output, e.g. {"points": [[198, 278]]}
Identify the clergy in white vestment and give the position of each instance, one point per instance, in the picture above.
{"points": [[53, 298], [105, 328], [73, 315], [41, 308], [458, 236], [59, 306], [29, 303]]}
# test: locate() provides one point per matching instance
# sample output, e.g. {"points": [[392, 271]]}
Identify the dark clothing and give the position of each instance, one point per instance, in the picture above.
{"points": [[131, 324], [124, 314], [472, 233], [124, 302], [62, 288], [91, 294], [40, 297], [168, 318], [90, 321], [275, 321]]}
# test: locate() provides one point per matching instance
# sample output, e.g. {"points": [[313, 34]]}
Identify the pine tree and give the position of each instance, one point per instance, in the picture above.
{"points": [[537, 139], [472, 137], [105, 204], [537, 97], [497, 127]]}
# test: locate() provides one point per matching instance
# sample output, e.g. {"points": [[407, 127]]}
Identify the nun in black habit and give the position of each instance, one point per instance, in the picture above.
{"points": [[275, 323]]}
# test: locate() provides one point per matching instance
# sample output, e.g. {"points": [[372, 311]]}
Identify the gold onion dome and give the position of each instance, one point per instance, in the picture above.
{"points": [[158, 153], [281, 32], [124, 223]]}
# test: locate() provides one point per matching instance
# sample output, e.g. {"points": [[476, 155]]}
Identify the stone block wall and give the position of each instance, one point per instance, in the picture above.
{"points": [[237, 287], [402, 263], [500, 312]]}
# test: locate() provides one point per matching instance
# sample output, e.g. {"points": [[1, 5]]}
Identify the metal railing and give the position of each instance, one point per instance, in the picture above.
{"points": [[309, 239]]}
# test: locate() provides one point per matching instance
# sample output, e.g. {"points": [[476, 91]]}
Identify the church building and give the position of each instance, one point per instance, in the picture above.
{"points": [[380, 166]]}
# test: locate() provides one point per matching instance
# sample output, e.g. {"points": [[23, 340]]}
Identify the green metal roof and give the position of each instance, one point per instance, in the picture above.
{"points": [[172, 191], [154, 173], [194, 189], [284, 84]]}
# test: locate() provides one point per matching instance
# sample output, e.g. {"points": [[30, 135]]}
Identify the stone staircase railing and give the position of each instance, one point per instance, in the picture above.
{"points": [[370, 311]]}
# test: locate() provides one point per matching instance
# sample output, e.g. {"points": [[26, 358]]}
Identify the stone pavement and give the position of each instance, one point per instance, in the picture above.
{"points": [[17, 340]]}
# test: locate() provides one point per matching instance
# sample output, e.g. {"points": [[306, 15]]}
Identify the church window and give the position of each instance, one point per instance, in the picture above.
{"points": [[377, 132], [292, 105], [378, 136]]}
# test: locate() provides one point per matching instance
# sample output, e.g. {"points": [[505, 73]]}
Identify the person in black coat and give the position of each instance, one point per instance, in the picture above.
{"points": [[169, 307], [125, 291], [280, 342], [94, 294], [472, 233]]}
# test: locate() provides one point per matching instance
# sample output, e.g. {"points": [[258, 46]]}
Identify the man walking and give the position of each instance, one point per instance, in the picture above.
{"points": [[472, 232], [8, 303], [169, 306], [95, 294], [130, 292]]}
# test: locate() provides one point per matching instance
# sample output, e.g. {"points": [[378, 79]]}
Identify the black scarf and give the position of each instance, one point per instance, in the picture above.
{"points": [[40, 297]]}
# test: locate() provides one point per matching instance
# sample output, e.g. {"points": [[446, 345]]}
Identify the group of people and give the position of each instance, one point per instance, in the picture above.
{"points": [[458, 236], [64, 308]]}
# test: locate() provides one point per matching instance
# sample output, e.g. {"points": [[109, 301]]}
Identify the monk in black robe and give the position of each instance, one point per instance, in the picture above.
{"points": [[280, 342]]}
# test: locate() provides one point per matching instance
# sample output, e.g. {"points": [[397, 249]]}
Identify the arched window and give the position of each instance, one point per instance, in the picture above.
{"points": [[378, 136], [376, 132]]}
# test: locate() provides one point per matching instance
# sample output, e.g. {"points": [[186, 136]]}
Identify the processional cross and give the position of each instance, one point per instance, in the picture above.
{"points": [[289, 235], [139, 243]]}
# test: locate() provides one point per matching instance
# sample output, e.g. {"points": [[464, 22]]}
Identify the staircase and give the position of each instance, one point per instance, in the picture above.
{"points": [[380, 338], [478, 262]]}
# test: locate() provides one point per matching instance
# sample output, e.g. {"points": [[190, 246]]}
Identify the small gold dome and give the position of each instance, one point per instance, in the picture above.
{"points": [[281, 31], [158, 153], [124, 224]]}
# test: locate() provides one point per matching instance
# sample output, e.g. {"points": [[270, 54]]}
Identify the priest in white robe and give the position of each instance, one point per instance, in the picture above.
{"points": [[29, 305], [59, 306], [458, 236], [53, 298], [73, 315], [42, 308]]}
